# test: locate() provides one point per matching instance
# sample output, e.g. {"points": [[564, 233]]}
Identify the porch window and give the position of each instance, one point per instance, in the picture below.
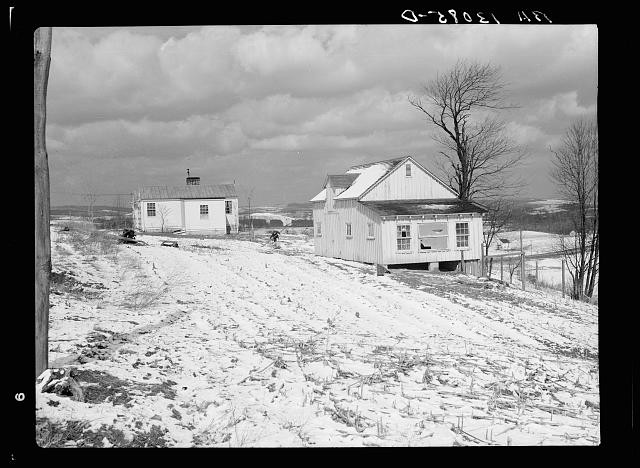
{"points": [[151, 209], [370, 231], [404, 237], [433, 236], [348, 229], [228, 207], [462, 234], [204, 211]]}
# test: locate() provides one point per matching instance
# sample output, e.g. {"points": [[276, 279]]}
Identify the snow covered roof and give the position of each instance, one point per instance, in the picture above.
{"points": [[367, 175], [162, 192], [322, 196], [422, 207]]}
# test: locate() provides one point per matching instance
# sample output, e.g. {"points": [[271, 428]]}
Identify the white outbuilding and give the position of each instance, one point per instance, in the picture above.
{"points": [[193, 208]]}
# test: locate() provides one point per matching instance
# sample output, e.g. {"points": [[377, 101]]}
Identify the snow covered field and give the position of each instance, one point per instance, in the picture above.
{"points": [[535, 244], [235, 343]]}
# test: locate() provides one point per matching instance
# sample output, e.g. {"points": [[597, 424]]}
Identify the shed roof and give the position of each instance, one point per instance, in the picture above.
{"points": [[163, 192], [423, 207]]}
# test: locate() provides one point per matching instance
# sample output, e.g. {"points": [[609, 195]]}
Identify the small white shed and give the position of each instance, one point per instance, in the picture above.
{"points": [[195, 208]]}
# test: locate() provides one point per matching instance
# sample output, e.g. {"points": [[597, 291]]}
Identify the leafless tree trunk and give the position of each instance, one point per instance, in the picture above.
{"points": [[496, 219], [163, 212], [575, 171], [90, 198], [41, 62], [478, 155], [513, 266]]}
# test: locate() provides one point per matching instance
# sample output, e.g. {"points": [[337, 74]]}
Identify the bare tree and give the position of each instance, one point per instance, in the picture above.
{"points": [[478, 155], [513, 266], [90, 198], [41, 63], [575, 171], [497, 218], [163, 213]]}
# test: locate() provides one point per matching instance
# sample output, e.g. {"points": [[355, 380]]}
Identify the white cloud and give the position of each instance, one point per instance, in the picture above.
{"points": [[563, 104]]}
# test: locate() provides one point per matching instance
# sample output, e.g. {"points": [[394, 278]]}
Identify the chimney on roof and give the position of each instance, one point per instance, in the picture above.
{"points": [[192, 180]]}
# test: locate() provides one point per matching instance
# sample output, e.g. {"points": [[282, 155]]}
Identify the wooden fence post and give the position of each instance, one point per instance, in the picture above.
{"points": [[537, 274], [523, 272], [501, 271], [482, 257], [563, 277], [462, 261]]}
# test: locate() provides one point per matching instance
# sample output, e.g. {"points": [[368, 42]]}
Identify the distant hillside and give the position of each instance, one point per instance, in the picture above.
{"points": [[79, 210]]}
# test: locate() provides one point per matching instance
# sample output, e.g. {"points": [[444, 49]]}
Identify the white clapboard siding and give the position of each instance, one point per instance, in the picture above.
{"points": [[391, 255], [185, 214], [397, 186]]}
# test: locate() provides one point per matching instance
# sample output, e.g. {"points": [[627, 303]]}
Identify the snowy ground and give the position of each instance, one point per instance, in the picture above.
{"points": [[539, 247], [228, 342]]}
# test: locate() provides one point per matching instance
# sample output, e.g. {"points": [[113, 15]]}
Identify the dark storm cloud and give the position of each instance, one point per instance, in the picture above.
{"points": [[290, 102]]}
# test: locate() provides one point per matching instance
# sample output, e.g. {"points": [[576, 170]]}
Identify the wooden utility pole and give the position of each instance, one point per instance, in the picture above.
{"points": [[41, 62], [563, 278]]}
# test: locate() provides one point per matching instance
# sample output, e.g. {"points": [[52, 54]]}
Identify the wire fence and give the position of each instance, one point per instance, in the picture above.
{"points": [[542, 270]]}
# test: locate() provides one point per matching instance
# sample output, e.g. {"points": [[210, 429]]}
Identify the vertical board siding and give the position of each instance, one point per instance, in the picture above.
{"points": [[333, 242], [232, 218], [397, 186]]}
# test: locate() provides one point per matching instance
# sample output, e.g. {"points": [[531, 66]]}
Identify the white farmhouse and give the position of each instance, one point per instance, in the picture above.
{"points": [[396, 212], [194, 208]]}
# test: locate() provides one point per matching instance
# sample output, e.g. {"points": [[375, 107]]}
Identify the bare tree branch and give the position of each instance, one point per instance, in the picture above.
{"points": [[480, 152]]}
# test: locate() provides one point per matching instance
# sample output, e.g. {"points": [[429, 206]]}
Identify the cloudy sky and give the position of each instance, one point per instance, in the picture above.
{"points": [[276, 108]]}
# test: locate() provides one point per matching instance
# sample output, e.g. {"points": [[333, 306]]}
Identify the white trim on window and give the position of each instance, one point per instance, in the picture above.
{"points": [[371, 234], [462, 235], [403, 239], [151, 209]]}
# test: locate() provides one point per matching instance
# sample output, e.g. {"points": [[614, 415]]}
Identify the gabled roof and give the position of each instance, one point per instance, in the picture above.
{"points": [[163, 192], [391, 163], [368, 175], [402, 160], [424, 207]]}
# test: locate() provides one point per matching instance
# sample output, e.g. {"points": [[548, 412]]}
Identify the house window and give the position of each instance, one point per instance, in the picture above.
{"points": [[404, 237], [151, 209], [370, 232], [462, 234], [228, 207], [407, 168], [204, 211], [433, 236], [319, 229], [348, 229]]}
